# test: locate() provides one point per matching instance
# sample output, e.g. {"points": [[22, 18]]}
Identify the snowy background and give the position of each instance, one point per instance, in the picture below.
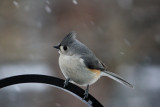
{"points": [[124, 34]]}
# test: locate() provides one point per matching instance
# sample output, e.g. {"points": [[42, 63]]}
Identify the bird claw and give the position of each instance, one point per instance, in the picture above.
{"points": [[86, 93], [66, 82]]}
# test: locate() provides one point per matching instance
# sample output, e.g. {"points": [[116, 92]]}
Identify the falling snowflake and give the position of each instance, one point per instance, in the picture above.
{"points": [[48, 9], [16, 4], [75, 2], [126, 41], [122, 53]]}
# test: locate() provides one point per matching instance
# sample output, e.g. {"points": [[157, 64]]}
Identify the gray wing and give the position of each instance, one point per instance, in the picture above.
{"points": [[92, 62]]}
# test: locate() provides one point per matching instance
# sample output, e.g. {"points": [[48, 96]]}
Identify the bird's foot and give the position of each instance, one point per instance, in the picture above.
{"points": [[86, 93], [66, 82]]}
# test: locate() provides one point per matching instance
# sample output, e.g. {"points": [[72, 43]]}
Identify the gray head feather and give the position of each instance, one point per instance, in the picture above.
{"points": [[69, 39], [75, 47]]}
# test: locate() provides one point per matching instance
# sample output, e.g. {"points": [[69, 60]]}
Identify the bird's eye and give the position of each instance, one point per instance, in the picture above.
{"points": [[65, 48]]}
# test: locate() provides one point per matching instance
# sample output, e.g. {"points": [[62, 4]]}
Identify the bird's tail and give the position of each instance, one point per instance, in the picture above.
{"points": [[117, 78]]}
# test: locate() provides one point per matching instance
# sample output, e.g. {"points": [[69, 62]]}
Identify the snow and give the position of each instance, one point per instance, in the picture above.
{"points": [[9, 70], [126, 41], [151, 78], [122, 53], [17, 88], [16, 4], [58, 105], [48, 9], [75, 2]]}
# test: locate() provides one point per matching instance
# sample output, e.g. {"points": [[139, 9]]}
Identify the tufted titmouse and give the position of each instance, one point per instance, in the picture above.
{"points": [[79, 64]]}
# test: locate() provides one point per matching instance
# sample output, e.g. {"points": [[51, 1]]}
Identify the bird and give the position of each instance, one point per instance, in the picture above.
{"points": [[80, 65]]}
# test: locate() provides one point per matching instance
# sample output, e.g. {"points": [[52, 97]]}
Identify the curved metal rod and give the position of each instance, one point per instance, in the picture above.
{"points": [[55, 82]]}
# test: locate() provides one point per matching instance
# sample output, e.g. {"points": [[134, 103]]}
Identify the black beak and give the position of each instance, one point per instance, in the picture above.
{"points": [[57, 47]]}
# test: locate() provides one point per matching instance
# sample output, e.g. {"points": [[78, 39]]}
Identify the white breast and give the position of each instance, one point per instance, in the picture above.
{"points": [[73, 67]]}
